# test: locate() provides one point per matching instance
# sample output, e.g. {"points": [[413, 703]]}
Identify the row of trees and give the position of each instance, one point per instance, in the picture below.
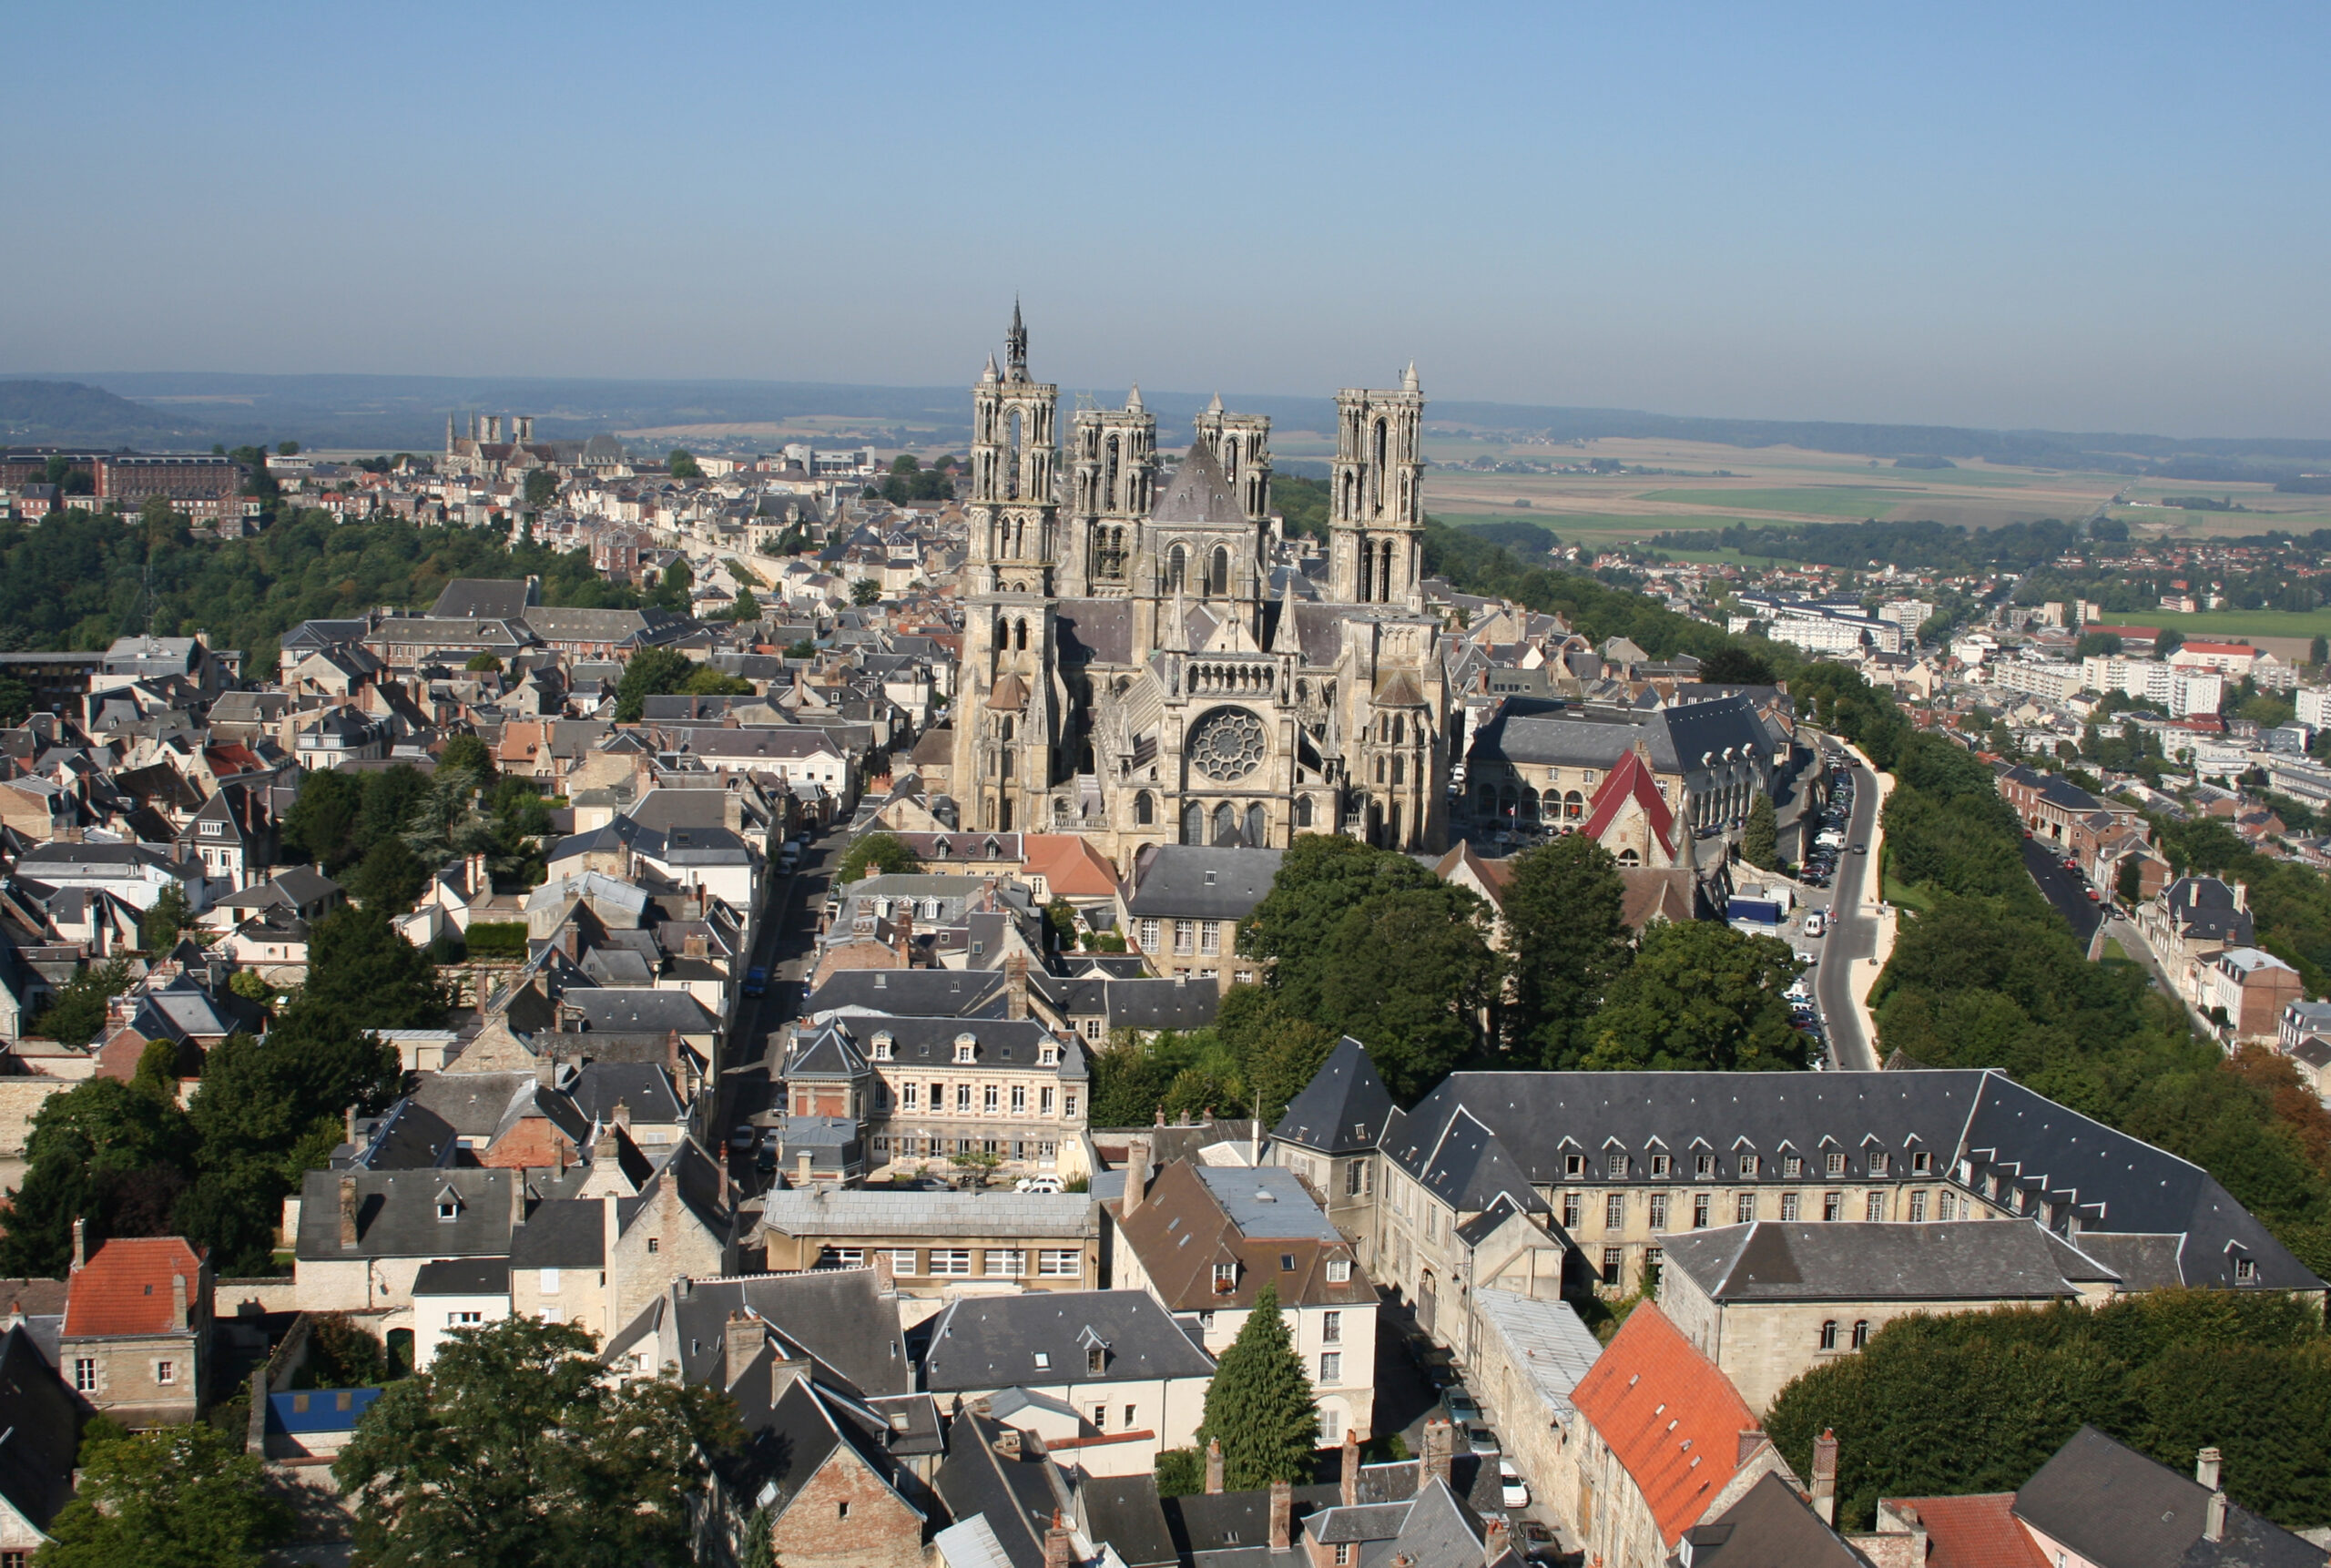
{"points": [[124, 1156], [1367, 943]]}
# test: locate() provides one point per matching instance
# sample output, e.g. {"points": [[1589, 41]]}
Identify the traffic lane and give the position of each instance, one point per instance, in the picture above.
{"points": [[1853, 933], [787, 935], [2064, 890]]}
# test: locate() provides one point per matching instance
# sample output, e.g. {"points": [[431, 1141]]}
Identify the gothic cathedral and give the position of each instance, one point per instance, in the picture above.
{"points": [[1143, 662]]}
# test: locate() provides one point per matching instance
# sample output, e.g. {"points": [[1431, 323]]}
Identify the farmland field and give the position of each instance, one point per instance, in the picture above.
{"points": [[1853, 502]]}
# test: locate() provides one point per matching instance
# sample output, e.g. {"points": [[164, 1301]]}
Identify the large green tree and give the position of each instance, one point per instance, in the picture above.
{"points": [[877, 854], [169, 915], [1760, 839], [651, 672], [390, 877], [1259, 1406], [111, 1152], [320, 826], [77, 1010], [1566, 942], [1412, 973], [516, 1450], [176, 1497], [1700, 996]]}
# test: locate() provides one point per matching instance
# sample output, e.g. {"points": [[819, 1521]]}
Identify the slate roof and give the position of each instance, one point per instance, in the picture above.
{"points": [[1342, 1109], [1772, 1261], [561, 1233], [1125, 1512], [39, 1431], [2202, 908], [1198, 496], [462, 1277], [469, 598], [836, 1317], [911, 992], [629, 1011], [396, 1214], [1194, 882], [1580, 737], [643, 1089], [992, 1342], [860, 1211], [1015, 1496], [1258, 1219], [1770, 1527], [2111, 1504]]}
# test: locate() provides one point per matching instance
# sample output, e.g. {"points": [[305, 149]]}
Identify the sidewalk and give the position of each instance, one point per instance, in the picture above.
{"points": [[1861, 973]]}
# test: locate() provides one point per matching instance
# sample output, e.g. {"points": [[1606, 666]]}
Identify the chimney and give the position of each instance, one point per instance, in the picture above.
{"points": [[1007, 1441], [349, 1123], [1751, 1439], [1282, 1513], [177, 1300], [884, 1283], [2214, 1522], [81, 1241], [1351, 1467], [1825, 1477], [547, 1070], [694, 945], [743, 1336], [1433, 1464], [1213, 1465], [2206, 1466], [1059, 1548], [623, 1115], [347, 1217], [1136, 1178], [1494, 1531], [802, 1167], [1015, 969], [905, 925], [518, 1196]]}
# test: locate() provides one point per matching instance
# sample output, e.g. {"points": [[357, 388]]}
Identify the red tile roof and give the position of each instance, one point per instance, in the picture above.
{"points": [[1073, 867], [126, 1288], [1977, 1532], [1668, 1414], [1632, 778]]}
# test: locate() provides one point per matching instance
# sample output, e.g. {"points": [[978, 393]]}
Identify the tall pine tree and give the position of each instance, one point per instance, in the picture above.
{"points": [[1260, 1405]]}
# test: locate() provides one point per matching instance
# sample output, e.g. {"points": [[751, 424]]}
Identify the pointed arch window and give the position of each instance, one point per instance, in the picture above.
{"points": [[1177, 568], [1217, 573], [1194, 824]]}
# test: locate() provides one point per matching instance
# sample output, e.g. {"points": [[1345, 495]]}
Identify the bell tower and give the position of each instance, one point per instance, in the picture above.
{"points": [[1113, 475], [1375, 516], [1013, 509]]}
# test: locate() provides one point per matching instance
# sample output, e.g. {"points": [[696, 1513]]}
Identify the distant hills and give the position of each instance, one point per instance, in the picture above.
{"points": [[391, 414]]}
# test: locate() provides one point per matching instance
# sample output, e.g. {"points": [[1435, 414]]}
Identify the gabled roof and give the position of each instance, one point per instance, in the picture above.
{"points": [[1773, 1261], [2112, 1504], [1669, 1415], [1631, 781], [1199, 495], [1975, 1531], [1771, 1527], [126, 1289], [1259, 1221], [39, 1431], [992, 1342]]}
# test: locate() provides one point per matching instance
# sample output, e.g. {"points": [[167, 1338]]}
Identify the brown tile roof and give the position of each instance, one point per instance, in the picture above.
{"points": [[1977, 1532], [1181, 1231], [1669, 1415], [126, 1288]]}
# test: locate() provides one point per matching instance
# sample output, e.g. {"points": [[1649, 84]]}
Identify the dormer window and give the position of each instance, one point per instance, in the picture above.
{"points": [[1226, 1278], [966, 1048], [1792, 1164], [1616, 1164], [2245, 1271], [1339, 1271], [1096, 1359], [1878, 1164], [882, 1048], [1704, 1165], [1837, 1163], [1573, 1165], [1922, 1163], [1209, 878], [214, 830], [1047, 1055], [1661, 1165]]}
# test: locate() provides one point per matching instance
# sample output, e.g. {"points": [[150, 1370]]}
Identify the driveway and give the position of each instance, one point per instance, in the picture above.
{"points": [[2066, 890]]}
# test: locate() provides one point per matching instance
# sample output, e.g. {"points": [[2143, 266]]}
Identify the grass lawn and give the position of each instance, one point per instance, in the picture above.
{"points": [[1901, 895], [2237, 623]]}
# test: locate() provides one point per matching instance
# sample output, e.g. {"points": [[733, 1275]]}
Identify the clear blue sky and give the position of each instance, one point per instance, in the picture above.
{"points": [[2073, 216]]}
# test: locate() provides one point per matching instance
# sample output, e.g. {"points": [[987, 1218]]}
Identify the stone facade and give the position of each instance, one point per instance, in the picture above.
{"points": [[1127, 671]]}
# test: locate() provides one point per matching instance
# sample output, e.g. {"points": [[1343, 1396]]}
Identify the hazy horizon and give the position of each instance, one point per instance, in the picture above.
{"points": [[2091, 219]]}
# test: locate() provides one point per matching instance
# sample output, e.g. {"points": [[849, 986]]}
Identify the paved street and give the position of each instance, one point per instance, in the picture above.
{"points": [[2066, 891], [1853, 933], [785, 944]]}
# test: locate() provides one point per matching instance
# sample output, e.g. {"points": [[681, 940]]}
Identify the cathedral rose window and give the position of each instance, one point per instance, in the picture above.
{"points": [[1227, 744]]}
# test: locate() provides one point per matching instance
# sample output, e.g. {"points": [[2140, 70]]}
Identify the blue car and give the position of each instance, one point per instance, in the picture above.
{"points": [[755, 980]]}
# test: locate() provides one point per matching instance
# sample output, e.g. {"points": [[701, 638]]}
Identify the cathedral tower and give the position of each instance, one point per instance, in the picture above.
{"points": [[1376, 519], [1242, 448], [1113, 477], [1012, 460]]}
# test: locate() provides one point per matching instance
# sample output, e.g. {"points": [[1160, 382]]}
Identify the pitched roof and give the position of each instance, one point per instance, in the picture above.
{"points": [[2112, 1504], [1669, 1415], [1258, 1220], [1977, 1532], [41, 1434], [1631, 781], [1199, 494], [1070, 865], [1342, 1109], [1770, 1527], [993, 1342], [126, 1288], [1774, 1261]]}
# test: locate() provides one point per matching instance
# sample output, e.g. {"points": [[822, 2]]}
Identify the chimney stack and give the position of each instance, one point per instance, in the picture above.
{"points": [[177, 1300], [1495, 1535], [547, 1070], [1136, 1177], [623, 1115], [1351, 1467], [349, 1123], [2206, 1466], [81, 1241], [1213, 1465], [743, 1336], [347, 1218], [906, 936], [1060, 1549], [1433, 1464], [1007, 1441], [1825, 1477], [1015, 969], [802, 1168], [518, 1196], [1282, 1513], [2213, 1526], [1751, 1439]]}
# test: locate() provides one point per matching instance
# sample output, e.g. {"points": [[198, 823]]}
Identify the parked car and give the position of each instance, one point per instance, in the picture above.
{"points": [[1861, 849], [1510, 1490], [1463, 1408], [1816, 923], [757, 980], [743, 1137], [1483, 1442], [1040, 1184]]}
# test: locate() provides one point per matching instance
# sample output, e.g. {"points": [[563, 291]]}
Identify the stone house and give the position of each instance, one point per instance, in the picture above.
{"points": [[136, 1341], [936, 1246], [2250, 988]]}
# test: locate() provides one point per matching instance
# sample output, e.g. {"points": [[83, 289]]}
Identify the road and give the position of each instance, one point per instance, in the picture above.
{"points": [[785, 944], [1853, 933], [2066, 891]]}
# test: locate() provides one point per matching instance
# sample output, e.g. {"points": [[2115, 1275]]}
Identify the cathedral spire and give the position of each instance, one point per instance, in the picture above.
{"points": [[1015, 344], [1409, 378], [1132, 398]]}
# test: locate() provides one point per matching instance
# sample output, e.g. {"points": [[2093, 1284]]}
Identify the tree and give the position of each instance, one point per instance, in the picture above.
{"points": [[2129, 881], [468, 754], [15, 700], [322, 823], [804, 648], [2318, 651], [652, 672], [390, 877], [683, 464], [709, 682], [111, 1152], [363, 973], [1321, 878], [747, 607], [77, 1010], [1735, 665], [1700, 997], [542, 489], [164, 918], [516, 1451], [1411, 972], [877, 854], [865, 591], [484, 664], [1566, 942], [1259, 1405], [175, 1495], [287, 448], [1759, 841]]}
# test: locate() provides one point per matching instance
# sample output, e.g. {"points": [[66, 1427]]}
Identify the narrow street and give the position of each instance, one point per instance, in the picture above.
{"points": [[1853, 933], [785, 944], [2064, 890]]}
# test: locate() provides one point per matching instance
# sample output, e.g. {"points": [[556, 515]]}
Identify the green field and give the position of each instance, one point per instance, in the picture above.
{"points": [[1602, 528], [1853, 501], [2236, 623]]}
